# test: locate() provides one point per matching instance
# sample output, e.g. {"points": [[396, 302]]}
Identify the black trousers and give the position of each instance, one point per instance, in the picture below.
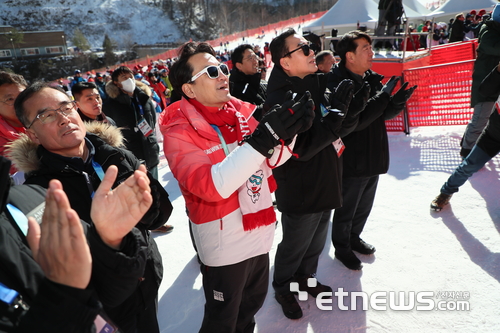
{"points": [[297, 255], [350, 219], [234, 294]]}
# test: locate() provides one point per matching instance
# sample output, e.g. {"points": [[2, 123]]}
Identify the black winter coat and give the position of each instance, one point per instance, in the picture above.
{"points": [[249, 88], [79, 180], [367, 149], [311, 182], [457, 32], [54, 307], [488, 56], [125, 111], [489, 140]]}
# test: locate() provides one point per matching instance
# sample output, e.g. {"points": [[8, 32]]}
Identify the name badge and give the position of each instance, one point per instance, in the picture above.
{"points": [[102, 326], [339, 146], [145, 128]]}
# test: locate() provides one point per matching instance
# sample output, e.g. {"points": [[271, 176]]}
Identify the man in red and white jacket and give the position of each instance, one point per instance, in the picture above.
{"points": [[222, 159]]}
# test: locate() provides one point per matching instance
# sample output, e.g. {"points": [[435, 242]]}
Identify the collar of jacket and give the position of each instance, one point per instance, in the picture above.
{"points": [[183, 112], [23, 151], [240, 77], [62, 163], [279, 80], [114, 91]]}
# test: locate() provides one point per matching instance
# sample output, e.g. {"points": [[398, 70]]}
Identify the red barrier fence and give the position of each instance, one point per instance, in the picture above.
{"points": [[442, 96], [453, 52]]}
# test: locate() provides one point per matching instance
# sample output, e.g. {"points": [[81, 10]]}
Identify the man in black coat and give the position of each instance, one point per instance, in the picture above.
{"points": [[133, 111], [245, 79], [457, 31], [309, 184], [366, 153], [55, 281], [58, 146]]}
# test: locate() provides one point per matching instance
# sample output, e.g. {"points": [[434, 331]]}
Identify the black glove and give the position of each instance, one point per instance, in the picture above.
{"points": [[359, 100], [389, 86], [403, 95], [342, 96], [282, 123]]}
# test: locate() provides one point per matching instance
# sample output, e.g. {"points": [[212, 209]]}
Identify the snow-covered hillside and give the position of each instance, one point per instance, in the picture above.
{"points": [[125, 21]]}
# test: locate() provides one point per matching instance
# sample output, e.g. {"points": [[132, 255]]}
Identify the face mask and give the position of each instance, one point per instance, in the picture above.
{"points": [[128, 85]]}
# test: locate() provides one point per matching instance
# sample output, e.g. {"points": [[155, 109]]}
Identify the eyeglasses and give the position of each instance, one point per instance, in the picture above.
{"points": [[49, 116], [306, 48], [212, 72], [251, 57], [9, 101]]}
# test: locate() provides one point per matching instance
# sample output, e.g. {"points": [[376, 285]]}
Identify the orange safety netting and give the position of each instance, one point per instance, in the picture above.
{"points": [[442, 96]]}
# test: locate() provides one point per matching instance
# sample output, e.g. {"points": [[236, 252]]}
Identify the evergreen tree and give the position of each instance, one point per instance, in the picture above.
{"points": [[80, 41], [108, 46]]}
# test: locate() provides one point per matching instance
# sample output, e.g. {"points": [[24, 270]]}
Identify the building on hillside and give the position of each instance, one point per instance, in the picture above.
{"points": [[35, 44]]}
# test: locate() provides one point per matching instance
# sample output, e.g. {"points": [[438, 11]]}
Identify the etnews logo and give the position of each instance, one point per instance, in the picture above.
{"points": [[382, 300]]}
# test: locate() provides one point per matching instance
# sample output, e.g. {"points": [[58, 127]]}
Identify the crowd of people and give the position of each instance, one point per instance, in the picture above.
{"points": [[309, 141], [459, 28]]}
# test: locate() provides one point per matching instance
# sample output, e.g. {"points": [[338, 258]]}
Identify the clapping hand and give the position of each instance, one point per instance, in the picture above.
{"points": [[59, 245], [115, 212]]}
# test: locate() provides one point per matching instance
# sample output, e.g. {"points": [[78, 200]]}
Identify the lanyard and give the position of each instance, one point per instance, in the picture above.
{"points": [[19, 217], [100, 173], [13, 300], [141, 110], [7, 295], [98, 169], [222, 141]]}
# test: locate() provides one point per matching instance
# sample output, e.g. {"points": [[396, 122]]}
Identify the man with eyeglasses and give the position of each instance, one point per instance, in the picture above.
{"points": [[222, 160], [309, 183], [57, 146], [10, 127], [245, 81]]}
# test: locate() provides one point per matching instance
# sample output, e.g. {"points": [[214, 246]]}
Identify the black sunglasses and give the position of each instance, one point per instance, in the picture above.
{"points": [[306, 48]]}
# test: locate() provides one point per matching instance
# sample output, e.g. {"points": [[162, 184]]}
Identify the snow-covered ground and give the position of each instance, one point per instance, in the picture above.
{"points": [[456, 250]]}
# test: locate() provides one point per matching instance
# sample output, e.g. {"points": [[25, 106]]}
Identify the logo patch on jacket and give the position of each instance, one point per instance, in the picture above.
{"points": [[254, 185], [218, 296]]}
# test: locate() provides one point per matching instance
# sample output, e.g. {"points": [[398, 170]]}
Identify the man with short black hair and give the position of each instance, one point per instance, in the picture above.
{"points": [[245, 79], [309, 183], [367, 151], [131, 107], [325, 61], [89, 103]]}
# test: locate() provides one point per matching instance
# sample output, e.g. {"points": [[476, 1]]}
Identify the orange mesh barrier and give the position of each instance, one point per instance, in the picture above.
{"points": [[442, 96]]}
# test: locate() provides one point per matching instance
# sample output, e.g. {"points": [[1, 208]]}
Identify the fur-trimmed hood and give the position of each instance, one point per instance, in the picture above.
{"points": [[113, 91], [23, 152]]}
